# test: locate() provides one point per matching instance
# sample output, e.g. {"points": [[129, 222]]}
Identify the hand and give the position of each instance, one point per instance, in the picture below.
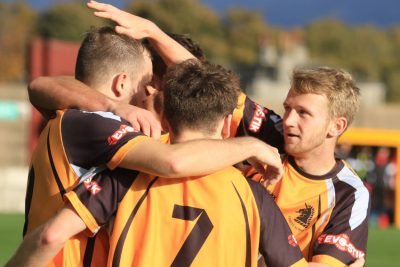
{"points": [[128, 24], [139, 118], [358, 263], [268, 163]]}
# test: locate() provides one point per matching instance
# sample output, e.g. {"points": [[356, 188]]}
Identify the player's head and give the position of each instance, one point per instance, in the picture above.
{"points": [[155, 100], [199, 97], [114, 64], [320, 105]]}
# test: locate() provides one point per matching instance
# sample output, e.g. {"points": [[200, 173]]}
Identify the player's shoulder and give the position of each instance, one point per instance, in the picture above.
{"points": [[349, 177], [92, 121], [77, 114]]}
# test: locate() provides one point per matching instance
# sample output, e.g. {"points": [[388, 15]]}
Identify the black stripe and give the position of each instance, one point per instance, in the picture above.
{"points": [[248, 240], [121, 240], [87, 258], [310, 249], [56, 177], [28, 198]]}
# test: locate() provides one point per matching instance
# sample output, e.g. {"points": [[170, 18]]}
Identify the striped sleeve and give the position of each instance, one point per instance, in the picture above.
{"points": [[96, 138], [96, 199], [252, 119], [344, 239]]}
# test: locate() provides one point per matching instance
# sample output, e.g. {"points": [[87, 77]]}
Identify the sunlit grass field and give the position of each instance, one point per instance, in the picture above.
{"points": [[383, 245]]}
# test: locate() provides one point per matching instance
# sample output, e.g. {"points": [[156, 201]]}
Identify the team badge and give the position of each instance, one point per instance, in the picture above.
{"points": [[305, 215]]}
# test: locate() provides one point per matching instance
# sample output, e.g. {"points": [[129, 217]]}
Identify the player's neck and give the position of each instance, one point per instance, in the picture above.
{"points": [[190, 135], [316, 162]]}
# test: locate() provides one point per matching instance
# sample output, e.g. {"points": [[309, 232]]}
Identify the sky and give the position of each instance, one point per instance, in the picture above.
{"points": [[292, 13]]}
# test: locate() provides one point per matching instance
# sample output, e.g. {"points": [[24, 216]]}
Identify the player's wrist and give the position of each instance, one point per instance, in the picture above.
{"points": [[250, 147], [154, 33]]}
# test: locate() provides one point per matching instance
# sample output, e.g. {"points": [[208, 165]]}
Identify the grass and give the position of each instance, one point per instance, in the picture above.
{"points": [[10, 235], [383, 245], [383, 248]]}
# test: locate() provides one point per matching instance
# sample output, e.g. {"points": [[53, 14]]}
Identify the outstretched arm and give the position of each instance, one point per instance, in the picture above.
{"points": [[48, 94], [200, 157], [139, 28], [40, 246]]}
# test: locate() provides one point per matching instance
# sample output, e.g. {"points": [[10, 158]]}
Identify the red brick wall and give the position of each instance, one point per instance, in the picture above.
{"points": [[48, 58]]}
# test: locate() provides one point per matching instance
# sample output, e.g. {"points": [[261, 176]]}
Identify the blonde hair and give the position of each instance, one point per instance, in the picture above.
{"points": [[336, 84]]}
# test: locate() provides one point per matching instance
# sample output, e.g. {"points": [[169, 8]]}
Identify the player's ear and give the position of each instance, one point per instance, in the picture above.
{"points": [[150, 90], [337, 127], [226, 129], [121, 85]]}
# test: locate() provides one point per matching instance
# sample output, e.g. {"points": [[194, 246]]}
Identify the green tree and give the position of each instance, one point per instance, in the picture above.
{"points": [[16, 30], [391, 71], [391, 77], [328, 42], [245, 29], [67, 21], [371, 54]]}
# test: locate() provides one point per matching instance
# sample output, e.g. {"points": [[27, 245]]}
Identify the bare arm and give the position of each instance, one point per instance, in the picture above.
{"points": [[358, 263], [40, 246], [62, 92], [48, 94], [139, 28], [199, 157]]}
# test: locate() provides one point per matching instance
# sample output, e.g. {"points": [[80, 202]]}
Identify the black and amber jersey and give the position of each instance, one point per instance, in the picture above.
{"points": [[252, 119], [72, 145], [327, 214], [220, 219]]}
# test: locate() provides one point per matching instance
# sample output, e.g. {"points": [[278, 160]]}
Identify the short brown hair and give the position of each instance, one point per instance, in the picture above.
{"points": [[104, 52], [336, 84], [197, 95]]}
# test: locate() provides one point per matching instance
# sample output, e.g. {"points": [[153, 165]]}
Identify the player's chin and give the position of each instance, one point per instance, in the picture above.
{"points": [[293, 150]]}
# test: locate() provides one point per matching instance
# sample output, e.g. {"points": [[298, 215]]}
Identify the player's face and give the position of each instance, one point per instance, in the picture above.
{"points": [[153, 102], [305, 123], [139, 92]]}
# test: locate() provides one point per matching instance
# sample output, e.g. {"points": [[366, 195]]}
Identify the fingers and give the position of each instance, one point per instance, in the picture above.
{"points": [[135, 125], [155, 130], [358, 263], [144, 126], [104, 15], [99, 6], [105, 11], [258, 166], [149, 125], [272, 175], [121, 30]]}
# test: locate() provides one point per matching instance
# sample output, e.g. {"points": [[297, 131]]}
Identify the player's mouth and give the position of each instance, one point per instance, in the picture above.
{"points": [[291, 136]]}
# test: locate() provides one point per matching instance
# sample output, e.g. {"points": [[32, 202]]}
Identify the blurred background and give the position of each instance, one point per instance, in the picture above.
{"points": [[262, 40]]}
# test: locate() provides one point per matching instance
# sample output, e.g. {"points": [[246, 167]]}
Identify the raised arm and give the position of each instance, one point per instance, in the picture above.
{"points": [[139, 28], [48, 94]]}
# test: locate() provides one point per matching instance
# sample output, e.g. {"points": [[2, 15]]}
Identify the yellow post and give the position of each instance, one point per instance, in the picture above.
{"points": [[397, 192], [379, 137]]}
